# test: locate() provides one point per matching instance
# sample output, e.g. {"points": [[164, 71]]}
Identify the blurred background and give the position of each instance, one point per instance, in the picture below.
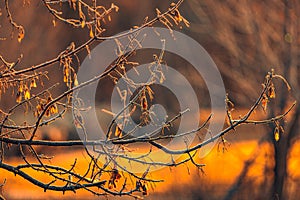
{"points": [[246, 39]]}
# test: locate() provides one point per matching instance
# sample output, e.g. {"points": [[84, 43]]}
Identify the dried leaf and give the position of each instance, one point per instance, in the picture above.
{"points": [[88, 50], [33, 83], [49, 99], [47, 113], [144, 103], [264, 102], [276, 134], [75, 81], [39, 109], [91, 33], [177, 16], [53, 109], [271, 91], [65, 79], [150, 92], [66, 74], [114, 178], [82, 24], [81, 15], [19, 97], [27, 94], [20, 88], [118, 132], [21, 35], [54, 22]]}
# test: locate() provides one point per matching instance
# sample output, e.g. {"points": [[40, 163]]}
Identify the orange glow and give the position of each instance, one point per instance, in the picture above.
{"points": [[221, 169]]}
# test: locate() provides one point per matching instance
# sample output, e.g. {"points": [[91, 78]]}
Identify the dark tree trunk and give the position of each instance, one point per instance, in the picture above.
{"points": [[281, 151]]}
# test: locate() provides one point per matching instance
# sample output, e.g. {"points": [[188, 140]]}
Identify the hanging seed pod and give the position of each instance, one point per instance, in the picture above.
{"points": [[27, 94], [33, 83], [19, 97]]}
